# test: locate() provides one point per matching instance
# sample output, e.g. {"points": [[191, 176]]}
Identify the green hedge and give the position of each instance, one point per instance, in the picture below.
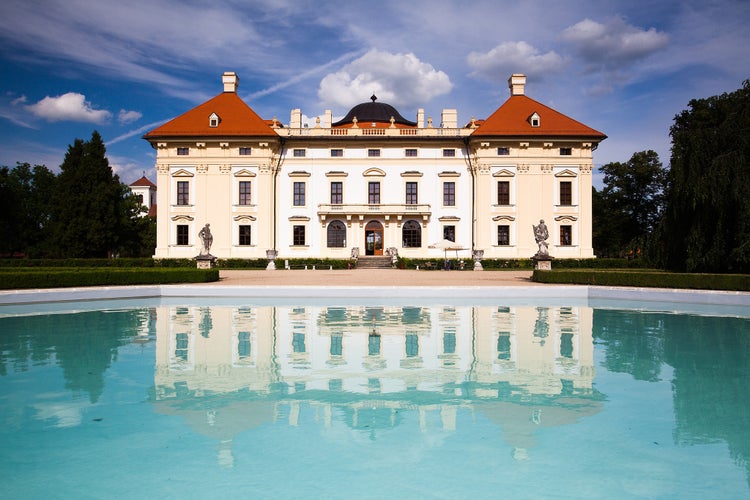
{"points": [[644, 278], [11, 279], [75, 263]]}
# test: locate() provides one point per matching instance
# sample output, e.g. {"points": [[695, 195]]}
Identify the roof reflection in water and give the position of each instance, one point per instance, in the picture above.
{"points": [[228, 369]]}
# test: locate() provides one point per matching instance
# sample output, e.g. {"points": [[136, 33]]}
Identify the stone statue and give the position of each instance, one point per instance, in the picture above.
{"points": [[355, 253], [540, 235], [393, 252], [207, 239]]}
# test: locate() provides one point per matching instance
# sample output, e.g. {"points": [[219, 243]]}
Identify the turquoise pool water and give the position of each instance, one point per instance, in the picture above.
{"points": [[327, 399]]}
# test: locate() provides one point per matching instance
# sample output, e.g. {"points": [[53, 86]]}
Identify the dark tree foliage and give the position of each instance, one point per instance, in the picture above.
{"points": [[706, 225], [91, 206], [629, 206], [25, 205]]}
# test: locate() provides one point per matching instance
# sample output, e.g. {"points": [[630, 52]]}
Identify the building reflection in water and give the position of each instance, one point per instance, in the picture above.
{"points": [[521, 367]]}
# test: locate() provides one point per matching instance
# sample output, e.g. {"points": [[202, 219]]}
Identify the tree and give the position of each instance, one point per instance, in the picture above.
{"points": [[25, 204], [630, 205], [706, 224], [91, 212]]}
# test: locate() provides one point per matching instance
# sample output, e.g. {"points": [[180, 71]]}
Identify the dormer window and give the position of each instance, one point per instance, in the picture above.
{"points": [[213, 120], [534, 120]]}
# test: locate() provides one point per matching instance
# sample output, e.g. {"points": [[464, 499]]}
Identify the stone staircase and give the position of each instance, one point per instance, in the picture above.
{"points": [[374, 262]]}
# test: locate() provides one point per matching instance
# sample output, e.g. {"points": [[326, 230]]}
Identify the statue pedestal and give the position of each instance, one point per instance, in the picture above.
{"points": [[542, 262], [205, 261]]}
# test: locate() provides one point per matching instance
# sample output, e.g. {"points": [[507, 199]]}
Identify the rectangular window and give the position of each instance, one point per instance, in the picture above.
{"points": [[566, 151], [411, 193], [373, 153], [183, 193], [449, 153], [183, 151], [299, 153], [246, 151], [337, 153], [244, 349], [245, 192], [373, 193], [503, 151], [449, 341], [566, 193], [337, 193], [503, 235], [182, 234], [566, 235], [182, 342], [298, 235], [449, 194], [245, 232], [503, 192], [449, 233], [410, 153], [503, 346], [299, 194]]}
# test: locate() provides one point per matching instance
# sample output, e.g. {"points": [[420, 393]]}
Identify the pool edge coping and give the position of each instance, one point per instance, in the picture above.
{"points": [[711, 297]]}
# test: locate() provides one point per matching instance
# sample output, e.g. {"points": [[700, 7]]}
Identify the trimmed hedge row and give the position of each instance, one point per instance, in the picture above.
{"points": [[74, 263], [501, 264], [645, 278], [293, 263], [63, 278]]}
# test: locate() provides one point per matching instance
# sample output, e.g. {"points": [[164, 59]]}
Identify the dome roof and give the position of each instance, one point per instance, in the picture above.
{"points": [[374, 112]]}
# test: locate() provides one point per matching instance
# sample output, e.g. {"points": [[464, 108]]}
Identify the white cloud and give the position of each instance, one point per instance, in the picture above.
{"points": [[613, 45], [398, 79], [514, 57], [68, 107], [126, 117]]}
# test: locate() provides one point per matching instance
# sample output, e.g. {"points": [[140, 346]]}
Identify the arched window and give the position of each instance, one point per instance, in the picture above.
{"points": [[412, 234], [336, 234]]}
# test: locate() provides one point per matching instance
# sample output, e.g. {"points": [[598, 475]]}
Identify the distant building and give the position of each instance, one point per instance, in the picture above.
{"points": [[373, 180], [145, 191]]}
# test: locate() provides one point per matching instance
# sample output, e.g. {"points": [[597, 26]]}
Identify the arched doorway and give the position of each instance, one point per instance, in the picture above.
{"points": [[374, 238]]}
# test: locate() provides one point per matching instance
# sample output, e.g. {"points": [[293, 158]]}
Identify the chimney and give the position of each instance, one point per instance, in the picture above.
{"points": [[449, 118], [231, 81], [516, 83]]}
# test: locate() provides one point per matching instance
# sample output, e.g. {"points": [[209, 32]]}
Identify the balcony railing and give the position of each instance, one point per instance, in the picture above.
{"points": [[380, 132], [416, 210]]}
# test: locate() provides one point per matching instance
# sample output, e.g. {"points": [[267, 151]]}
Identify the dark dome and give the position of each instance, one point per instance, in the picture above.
{"points": [[368, 112]]}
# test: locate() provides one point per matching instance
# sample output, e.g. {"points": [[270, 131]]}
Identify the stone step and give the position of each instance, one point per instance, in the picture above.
{"points": [[374, 262]]}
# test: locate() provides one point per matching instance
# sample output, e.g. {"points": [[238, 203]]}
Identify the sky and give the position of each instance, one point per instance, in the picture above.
{"points": [[122, 68]]}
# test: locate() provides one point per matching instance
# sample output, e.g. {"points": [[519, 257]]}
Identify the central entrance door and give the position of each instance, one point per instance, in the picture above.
{"points": [[374, 238]]}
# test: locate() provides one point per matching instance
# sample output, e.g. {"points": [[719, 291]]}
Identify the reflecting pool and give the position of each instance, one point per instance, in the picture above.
{"points": [[332, 400]]}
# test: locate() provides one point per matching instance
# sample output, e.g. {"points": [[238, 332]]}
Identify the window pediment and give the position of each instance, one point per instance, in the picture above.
{"points": [[244, 173], [182, 173], [337, 173], [503, 217], [373, 172], [411, 173], [299, 173], [245, 218], [449, 174], [182, 218], [504, 173], [568, 218], [299, 218], [566, 173]]}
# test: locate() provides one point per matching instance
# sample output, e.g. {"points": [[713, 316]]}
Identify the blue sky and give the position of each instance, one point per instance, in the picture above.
{"points": [[624, 67]]}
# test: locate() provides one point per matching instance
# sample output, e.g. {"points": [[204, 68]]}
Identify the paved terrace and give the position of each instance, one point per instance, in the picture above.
{"points": [[374, 278]]}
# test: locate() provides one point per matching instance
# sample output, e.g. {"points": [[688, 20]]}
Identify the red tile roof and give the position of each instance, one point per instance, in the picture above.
{"points": [[235, 119], [143, 181], [512, 119]]}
